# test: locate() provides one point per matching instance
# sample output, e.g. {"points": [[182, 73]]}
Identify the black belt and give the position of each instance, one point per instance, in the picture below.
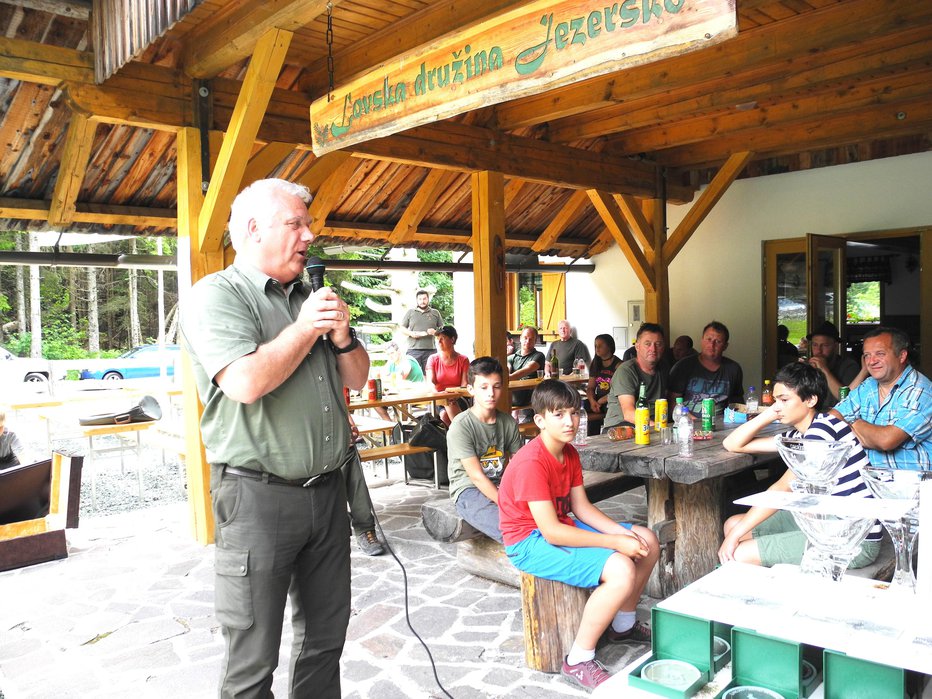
{"points": [[276, 480]]}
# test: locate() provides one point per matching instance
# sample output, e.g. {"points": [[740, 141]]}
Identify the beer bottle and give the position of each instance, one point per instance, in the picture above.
{"points": [[642, 397], [554, 364], [766, 398]]}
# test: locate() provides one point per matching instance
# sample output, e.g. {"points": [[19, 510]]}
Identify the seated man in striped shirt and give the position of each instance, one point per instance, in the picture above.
{"points": [[763, 536]]}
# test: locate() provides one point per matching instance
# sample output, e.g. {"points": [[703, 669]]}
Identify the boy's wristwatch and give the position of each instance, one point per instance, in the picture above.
{"points": [[354, 343]]}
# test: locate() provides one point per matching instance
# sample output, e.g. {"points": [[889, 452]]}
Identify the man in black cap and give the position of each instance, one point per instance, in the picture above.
{"points": [[838, 370]]}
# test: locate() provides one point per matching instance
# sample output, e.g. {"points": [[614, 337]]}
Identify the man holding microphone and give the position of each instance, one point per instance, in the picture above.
{"points": [[271, 357]]}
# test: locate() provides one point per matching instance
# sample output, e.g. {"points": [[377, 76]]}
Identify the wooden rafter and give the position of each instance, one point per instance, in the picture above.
{"points": [[422, 201], [475, 149], [265, 161], [105, 214], [709, 198], [561, 220], [618, 227], [638, 224], [826, 71], [328, 194], [256, 91], [44, 64], [321, 170], [234, 33], [74, 160]]}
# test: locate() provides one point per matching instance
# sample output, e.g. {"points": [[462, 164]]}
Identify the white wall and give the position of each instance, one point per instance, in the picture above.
{"points": [[718, 273]]}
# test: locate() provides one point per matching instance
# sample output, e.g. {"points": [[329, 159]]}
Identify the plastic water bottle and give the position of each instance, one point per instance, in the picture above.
{"points": [[582, 432], [752, 402], [684, 431]]}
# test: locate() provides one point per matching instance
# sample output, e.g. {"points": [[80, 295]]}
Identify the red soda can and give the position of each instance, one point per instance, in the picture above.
{"points": [[346, 394], [371, 390]]}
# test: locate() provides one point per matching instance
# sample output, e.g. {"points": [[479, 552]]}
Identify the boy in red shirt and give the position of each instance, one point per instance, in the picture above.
{"points": [[540, 488]]}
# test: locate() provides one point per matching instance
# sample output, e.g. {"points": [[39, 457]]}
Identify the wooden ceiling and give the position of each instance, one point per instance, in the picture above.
{"points": [[805, 83]]}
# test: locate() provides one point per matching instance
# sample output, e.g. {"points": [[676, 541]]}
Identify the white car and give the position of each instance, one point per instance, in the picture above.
{"points": [[23, 369]]}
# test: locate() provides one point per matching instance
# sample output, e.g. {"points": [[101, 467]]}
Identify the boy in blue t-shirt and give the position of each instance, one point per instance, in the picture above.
{"points": [[540, 488]]}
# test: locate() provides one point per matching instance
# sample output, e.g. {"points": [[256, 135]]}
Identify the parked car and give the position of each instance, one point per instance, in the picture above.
{"points": [[141, 362], [16, 369]]}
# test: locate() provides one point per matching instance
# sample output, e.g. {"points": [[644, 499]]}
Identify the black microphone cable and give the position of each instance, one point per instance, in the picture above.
{"points": [[404, 573]]}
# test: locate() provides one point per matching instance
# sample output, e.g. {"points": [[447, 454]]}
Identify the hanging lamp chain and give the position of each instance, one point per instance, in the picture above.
{"points": [[330, 51]]}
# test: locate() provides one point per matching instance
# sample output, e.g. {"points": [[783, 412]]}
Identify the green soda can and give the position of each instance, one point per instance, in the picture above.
{"points": [[708, 414], [843, 392]]}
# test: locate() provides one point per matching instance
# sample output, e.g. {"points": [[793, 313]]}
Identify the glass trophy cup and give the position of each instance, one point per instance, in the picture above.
{"points": [[814, 462], [899, 484]]}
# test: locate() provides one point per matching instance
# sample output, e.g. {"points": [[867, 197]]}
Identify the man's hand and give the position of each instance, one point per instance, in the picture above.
{"points": [[431, 331], [818, 363], [328, 313]]}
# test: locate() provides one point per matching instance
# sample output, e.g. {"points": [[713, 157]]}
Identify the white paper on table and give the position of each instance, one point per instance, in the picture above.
{"points": [[841, 506]]}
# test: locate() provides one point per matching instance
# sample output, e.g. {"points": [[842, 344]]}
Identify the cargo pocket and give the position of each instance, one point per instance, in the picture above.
{"points": [[233, 593]]}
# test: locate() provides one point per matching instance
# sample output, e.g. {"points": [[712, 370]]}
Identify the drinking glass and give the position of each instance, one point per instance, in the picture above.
{"points": [[899, 484]]}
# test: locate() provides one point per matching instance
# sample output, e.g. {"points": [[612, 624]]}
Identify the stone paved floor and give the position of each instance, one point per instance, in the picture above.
{"points": [[130, 613]]}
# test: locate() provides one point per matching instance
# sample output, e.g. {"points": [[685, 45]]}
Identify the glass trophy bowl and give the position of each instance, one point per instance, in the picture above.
{"points": [[834, 541], [899, 484], [814, 462]]}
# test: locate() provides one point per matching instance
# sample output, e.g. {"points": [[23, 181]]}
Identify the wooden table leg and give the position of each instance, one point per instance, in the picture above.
{"points": [[698, 509], [660, 510]]}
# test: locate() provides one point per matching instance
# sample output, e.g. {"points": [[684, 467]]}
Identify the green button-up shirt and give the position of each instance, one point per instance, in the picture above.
{"points": [[298, 430]]}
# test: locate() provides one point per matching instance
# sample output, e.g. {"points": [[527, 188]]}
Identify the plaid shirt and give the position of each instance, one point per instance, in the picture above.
{"points": [[909, 407]]}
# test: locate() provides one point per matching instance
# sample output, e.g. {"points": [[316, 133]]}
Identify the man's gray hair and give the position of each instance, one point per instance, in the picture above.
{"points": [[253, 202]]}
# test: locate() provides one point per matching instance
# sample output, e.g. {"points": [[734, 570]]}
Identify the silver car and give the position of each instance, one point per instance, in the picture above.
{"points": [[23, 369]]}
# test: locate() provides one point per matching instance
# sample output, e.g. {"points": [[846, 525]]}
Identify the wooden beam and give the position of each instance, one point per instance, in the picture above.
{"points": [[321, 170], [709, 198], [234, 32], [488, 235], [74, 160], [422, 201], [561, 220], [638, 224], [453, 146], [601, 244], [328, 194], [513, 188], [106, 214], [33, 62], [657, 300], [779, 43], [190, 200], [265, 161], [615, 222], [254, 97]]}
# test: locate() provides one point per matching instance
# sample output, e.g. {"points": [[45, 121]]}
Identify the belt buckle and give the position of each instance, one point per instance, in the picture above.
{"points": [[312, 480]]}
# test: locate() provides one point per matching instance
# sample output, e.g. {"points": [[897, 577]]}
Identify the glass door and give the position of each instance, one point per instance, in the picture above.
{"points": [[785, 303], [825, 272]]}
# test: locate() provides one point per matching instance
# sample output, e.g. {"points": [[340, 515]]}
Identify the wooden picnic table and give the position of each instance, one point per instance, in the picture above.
{"points": [[685, 497], [403, 399]]}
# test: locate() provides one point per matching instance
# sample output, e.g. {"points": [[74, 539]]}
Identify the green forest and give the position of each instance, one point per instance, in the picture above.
{"points": [[67, 299]]}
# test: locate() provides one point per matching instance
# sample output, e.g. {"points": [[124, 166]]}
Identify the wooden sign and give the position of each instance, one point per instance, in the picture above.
{"points": [[532, 48]]}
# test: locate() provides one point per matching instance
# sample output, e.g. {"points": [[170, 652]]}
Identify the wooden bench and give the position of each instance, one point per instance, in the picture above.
{"points": [[390, 451]]}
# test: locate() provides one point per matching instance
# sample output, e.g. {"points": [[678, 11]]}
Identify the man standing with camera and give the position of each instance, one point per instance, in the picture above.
{"points": [[271, 357]]}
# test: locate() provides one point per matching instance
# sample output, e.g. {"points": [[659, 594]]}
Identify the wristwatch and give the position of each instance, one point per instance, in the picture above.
{"points": [[354, 343]]}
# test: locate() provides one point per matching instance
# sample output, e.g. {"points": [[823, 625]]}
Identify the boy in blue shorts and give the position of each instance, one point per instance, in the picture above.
{"points": [[541, 487]]}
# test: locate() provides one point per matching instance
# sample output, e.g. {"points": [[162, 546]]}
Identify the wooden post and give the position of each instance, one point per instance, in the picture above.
{"points": [[657, 300], [552, 612], [659, 511], [488, 245], [190, 198], [704, 503]]}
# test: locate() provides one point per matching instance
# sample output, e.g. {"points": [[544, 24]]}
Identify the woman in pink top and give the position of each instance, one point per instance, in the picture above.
{"points": [[447, 369]]}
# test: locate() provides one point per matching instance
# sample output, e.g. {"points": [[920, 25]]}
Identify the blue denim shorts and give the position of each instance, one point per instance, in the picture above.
{"points": [[579, 567]]}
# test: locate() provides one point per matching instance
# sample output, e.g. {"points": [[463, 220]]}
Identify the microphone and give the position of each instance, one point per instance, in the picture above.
{"points": [[315, 270]]}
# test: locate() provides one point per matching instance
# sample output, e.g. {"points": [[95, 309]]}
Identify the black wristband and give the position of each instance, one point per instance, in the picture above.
{"points": [[354, 343]]}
